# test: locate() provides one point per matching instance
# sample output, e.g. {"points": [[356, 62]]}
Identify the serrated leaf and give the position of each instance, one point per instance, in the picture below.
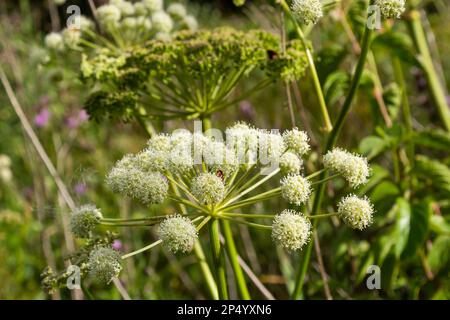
{"points": [[434, 171], [438, 256], [420, 216], [433, 138]]}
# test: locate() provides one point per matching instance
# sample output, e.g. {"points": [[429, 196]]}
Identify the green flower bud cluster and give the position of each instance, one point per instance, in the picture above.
{"points": [[211, 57]]}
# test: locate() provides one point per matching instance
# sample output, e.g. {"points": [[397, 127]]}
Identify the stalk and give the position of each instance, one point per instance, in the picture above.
{"points": [[232, 255], [219, 259], [331, 141], [436, 89], [312, 68]]}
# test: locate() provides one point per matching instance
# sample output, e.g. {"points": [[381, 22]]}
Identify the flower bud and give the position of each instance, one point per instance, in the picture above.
{"points": [[84, 219], [307, 11], [104, 264]]}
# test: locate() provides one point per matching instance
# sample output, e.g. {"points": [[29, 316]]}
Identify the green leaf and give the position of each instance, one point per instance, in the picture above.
{"points": [[397, 45], [420, 216], [438, 256], [384, 196], [335, 86], [433, 138], [388, 271], [372, 146], [434, 171], [439, 225], [402, 226]]}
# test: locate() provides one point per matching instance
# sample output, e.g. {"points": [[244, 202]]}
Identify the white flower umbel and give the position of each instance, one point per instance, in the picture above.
{"points": [[162, 22], [356, 212], [54, 41], [108, 14], [244, 140], [353, 168], [208, 188], [271, 147], [290, 163], [190, 22], [391, 8], [176, 10], [291, 230], [296, 141], [83, 220], [295, 189], [178, 234], [160, 142], [104, 264], [153, 5], [307, 11]]}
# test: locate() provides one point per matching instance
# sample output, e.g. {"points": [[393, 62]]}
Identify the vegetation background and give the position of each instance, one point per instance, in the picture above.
{"points": [[410, 238]]}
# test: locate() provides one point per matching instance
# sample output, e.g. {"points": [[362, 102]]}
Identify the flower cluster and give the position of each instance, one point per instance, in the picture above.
{"points": [[157, 72], [307, 11], [84, 219], [391, 8], [212, 177], [123, 23]]}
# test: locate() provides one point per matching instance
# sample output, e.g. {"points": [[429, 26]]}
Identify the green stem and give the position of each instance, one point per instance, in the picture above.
{"points": [[331, 141], [154, 244], [247, 215], [233, 256], [437, 91], [324, 215], [219, 259], [322, 104], [250, 224]]}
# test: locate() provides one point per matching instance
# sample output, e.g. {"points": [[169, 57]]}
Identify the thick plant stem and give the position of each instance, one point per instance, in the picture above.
{"points": [[331, 141], [312, 68], [435, 85], [219, 259], [198, 250], [233, 256]]}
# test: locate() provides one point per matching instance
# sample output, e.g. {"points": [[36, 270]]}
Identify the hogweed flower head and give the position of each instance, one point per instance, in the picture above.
{"points": [[353, 168], [290, 163], [291, 230], [162, 22], [83, 220], [295, 189], [153, 5], [190, 22], [296, 141], [208, 188], [391, 8], [356, 212], [178, 234], [108, 14], [307, 11], [129, 179], [177, 10], [54, 41], [104, 264]]}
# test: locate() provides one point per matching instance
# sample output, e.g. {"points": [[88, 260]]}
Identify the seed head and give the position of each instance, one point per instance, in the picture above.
{"points": [[83, 220], [356, 212], [295, 189], [208, 188], [353, 168], [290, 163], [104, 264], [391, 8], [296, 141], [178, 234], [307, 11], [291, 230]]}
